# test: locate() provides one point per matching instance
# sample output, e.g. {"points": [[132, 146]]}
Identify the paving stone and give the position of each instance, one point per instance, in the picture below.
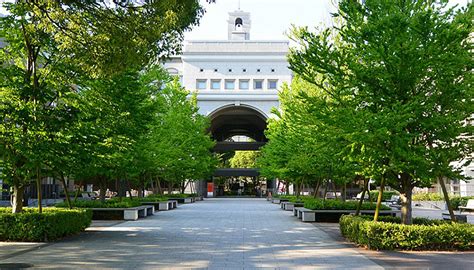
{"points": [[212, 234]]}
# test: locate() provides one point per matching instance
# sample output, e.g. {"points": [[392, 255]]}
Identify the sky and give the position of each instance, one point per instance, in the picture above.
{"points": [[270, 19]]}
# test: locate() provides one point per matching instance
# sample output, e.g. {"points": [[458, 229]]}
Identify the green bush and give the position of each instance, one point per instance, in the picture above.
{"points": [[178, 195], [52, 224], [387, 195], [112, 203], [319, 204], [427, 197], [424, 234]]}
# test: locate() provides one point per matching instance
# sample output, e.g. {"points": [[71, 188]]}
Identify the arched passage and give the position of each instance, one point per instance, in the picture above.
{"points": [[226, 123], [240, 120]]}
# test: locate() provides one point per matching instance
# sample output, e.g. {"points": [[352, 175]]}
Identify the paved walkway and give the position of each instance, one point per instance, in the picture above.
{"points": [[213, 234]]}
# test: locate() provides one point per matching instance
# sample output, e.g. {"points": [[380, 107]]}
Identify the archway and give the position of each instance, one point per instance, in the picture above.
{"points": [[228, 125]]}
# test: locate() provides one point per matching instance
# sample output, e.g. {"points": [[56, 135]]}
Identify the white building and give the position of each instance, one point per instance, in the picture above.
{"points": [[234, 72]]}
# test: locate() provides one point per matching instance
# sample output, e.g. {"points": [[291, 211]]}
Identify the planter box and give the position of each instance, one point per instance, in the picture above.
{"points": [[333, 216]]}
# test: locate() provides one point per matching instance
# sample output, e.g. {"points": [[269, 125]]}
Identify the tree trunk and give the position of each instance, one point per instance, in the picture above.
{"points": [[406, 198], [66, 192], [38, 189], [379, 199], [325, 190], [158, 186], [344, 189], [364, 189], [17, 201], [102, 186], [170, 188], [446, 198], [316, 189], [287, 188]]}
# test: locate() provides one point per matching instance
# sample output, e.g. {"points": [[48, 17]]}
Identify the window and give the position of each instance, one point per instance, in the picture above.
{"points": [[257, 84], [230, 70], [244, 84], [201, 84], [201, 70], [273, 70], [244, 70], [215, 84], [272, 84], [215, 70], [229, 84], [258, 70]]}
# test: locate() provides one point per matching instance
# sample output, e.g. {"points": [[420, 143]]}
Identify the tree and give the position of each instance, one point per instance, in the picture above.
{"points": [[396, 66], [52, 46], [179, 140]]}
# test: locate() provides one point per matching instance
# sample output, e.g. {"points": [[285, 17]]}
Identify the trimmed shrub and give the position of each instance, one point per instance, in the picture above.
{"points": [[424, 234], [178, 195], [427, 197], [113, 203], [318, 204], [52, 224]]}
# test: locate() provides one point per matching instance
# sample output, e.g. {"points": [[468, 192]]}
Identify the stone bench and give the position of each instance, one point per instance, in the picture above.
{"points": [[163, 205], [308, 215], [183, 200], [289, 206], [469, 206], [459, 217], [278, 201], [132, 213]]}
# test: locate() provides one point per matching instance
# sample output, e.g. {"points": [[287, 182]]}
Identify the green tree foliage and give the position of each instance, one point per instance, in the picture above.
{"points": [[50, 47], [398, 77], [179, 144], [244, 159]]}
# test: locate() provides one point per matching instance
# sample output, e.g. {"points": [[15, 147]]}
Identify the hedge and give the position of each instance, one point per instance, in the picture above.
{"points": [[319, 204], [52, 224], [424, 234], [427, 197], [113, 203]]}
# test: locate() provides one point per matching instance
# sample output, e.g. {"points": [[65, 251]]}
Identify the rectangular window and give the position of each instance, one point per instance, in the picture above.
{"points": [[201, 84], [215, 84], [244, 84], [258, 84], [229, 84], [272, 84]]}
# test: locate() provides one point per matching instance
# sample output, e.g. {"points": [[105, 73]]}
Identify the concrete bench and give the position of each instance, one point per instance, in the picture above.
{"points": [[132, 213], [162, 205], [469, 206], [459, 217], [308, 215], [278, 201], [183, 200], [289, 206]]}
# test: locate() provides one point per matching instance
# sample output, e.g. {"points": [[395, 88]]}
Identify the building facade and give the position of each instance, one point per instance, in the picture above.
{"points": [[233, 72]]}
